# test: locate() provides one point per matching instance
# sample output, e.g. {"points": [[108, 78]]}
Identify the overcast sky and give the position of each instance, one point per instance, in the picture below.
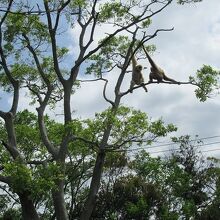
{"points": [[194, 41]]}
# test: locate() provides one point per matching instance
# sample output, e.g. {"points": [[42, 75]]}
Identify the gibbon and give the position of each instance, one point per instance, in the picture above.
{"points": [[156, 72], [137, 76]]}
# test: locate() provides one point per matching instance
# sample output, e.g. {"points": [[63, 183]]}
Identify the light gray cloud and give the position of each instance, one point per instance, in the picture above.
{"points": [[195, 41]]}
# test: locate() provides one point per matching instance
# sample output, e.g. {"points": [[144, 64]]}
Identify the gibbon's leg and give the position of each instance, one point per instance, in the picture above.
{"points": [[145, 88], [169, 79], [155, 75], [137, 77], [132, 85], [142, 83], [150, 78]]}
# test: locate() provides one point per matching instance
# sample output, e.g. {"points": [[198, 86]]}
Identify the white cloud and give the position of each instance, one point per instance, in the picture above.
{"points": [[194, 41]]}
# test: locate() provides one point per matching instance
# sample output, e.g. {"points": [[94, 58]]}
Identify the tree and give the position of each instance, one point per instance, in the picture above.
{"points": [[32, 56], [181, 186], [211, 211]]}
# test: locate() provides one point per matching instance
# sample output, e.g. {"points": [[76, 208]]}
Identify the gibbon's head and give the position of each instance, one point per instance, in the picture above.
{"points": [[138, 67]]}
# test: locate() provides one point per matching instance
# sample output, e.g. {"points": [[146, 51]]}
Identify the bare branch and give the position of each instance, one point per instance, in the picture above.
{"points": [[136, 21], [8, 193], [32, 10], [43, 131], [125, 65], [52, 33], [95, 18], [31, 49], [104, 93], [58, 14], [35, 93], [104, 88], [14, 82], [6, 12]]}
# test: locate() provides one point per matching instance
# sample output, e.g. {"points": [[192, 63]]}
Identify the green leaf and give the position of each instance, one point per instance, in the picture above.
{"points": [[207, 80]]}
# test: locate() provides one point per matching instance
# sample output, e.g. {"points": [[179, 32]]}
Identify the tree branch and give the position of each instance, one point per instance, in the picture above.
{"points": [[73, 138], [9, 194], [64, 4], [104, 93], [40, 162], [14, 82], [52, 33], [2, 114], [154, 82], [43, 131], [37, 62], [6, 12], [11, 149], [5, 179], [136, 21]]}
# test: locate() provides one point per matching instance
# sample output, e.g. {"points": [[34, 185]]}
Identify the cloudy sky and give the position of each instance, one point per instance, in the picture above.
{"points": [[194, 41]]}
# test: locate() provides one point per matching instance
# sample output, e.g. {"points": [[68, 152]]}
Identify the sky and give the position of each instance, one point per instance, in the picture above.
{"points": [[194, 41]]}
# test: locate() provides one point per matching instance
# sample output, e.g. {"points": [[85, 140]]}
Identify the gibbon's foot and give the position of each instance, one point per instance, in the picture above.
{"points": [[145, 89]]}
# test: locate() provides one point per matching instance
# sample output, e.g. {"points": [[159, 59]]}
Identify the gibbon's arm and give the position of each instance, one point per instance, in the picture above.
{"points": [[152, 63], [157, 73], [134, 61]]}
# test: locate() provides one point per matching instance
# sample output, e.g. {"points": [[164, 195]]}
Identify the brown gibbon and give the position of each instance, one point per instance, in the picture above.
{"points": [[137, 76], [156, 72]]}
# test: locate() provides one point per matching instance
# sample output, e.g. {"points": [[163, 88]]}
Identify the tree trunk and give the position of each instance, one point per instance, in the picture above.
{"points": [[28, 210], [59, 202], [67, 97], [94, 187]]}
